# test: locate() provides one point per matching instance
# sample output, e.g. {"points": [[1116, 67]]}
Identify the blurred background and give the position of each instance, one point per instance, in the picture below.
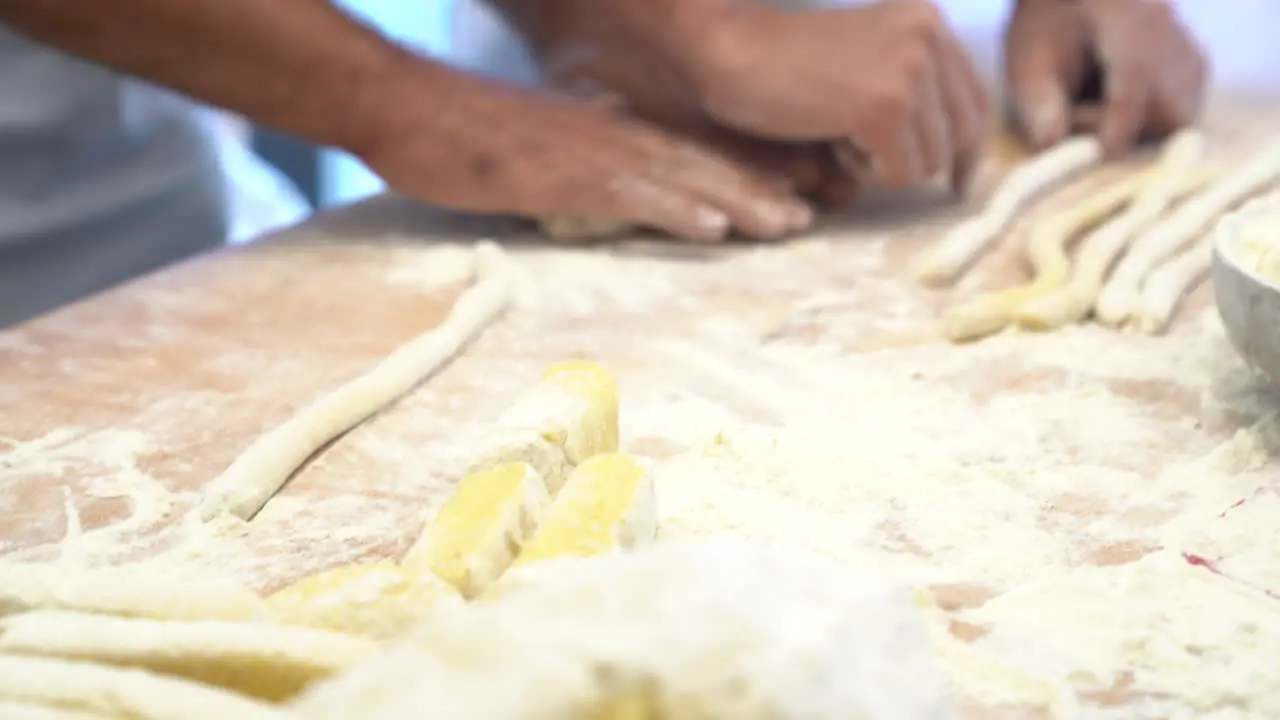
{"points": [[277, 180]]}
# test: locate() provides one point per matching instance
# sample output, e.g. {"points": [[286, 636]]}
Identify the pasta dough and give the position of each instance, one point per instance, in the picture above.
{"points": [[1169, 283], [943, 262], [1121, 294], [1179, 172], [270, 662], [1048, 252], [128, 591], [122, 692], [268, 463]]}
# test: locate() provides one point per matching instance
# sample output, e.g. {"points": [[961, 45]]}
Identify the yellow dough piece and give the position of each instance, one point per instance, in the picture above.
{"points": [[264, 661], [573, 406], [377, 600], [608, 504], [480, 528], [115, 692], [128, 591], [501, 446], [1047, 249]]}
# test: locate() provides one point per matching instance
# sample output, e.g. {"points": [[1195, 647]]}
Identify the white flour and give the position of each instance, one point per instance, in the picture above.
{"points": [[1040, 491]]}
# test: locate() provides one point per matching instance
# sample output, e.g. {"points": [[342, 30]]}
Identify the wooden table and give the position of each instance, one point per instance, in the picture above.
{"points": [[1042, 489]]}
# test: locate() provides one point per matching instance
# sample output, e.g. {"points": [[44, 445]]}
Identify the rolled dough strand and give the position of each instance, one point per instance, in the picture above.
{"points": [[569, 229], [267, 464], [1167, 285], [270, 662], [122, 692], [1178, 174], [127, 591], [1048, 252], [1122, 292], [379, 600], [942, 263]]}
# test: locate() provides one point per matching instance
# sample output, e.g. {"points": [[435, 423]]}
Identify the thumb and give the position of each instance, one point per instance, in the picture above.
{"points": [[1040, 99]]}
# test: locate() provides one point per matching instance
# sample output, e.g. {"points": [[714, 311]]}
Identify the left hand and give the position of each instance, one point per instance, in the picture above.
{"points": [[1152, 73], [628, 81]]}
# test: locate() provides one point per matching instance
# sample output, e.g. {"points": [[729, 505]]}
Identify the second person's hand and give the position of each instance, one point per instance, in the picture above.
{"points": [[891, 79], [483, 146]]}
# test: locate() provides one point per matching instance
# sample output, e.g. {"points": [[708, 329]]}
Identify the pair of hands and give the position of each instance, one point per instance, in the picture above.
{"points": [[776, 109]]}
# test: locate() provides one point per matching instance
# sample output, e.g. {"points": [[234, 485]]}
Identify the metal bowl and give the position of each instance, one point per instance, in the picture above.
{"points": [[1248, 302]]}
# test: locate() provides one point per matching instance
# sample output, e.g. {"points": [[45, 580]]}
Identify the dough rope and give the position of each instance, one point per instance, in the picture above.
{"points": [[568, 229], [1178, 173], [128, 591], [122, 692], [261, 470], [1167, 285], [942, 263], [270, 662], [1121, 295], [1047, 250]]}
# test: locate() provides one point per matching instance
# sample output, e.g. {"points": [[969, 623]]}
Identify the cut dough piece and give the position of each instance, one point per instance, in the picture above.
{"points": [[379, 600], [30, 711], [265, 661], [1179, 173], [1122, 293], [128, 591], [574, 406], [608, 504], [500, 446], [712, 629], [268, 463], [1171, 281], [1049, 261], [481, 527], [571, 229], [960, 247], [122, 692]]}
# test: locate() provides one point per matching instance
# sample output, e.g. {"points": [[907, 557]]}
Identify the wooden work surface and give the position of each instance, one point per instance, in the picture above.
{"points": [[797, 393]]}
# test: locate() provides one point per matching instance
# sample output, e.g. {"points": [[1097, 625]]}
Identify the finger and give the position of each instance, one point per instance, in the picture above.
{"points": [[641, 202], [932, 127], [1086, 118], [839, 188], [1040, 98], [893, 155], [1127, 93], [968, 109], [753, 203]]}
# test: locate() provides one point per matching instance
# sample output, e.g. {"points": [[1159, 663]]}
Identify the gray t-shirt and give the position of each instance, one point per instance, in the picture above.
{"points": [[102, 178]]}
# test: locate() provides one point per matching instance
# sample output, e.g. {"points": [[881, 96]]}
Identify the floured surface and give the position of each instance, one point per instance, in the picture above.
{"points": [[1044, 489]]}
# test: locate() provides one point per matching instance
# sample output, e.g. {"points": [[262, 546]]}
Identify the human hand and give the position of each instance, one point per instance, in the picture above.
{"points": [[889, 81], [1122, 68], [623, 82], [486, 147]]}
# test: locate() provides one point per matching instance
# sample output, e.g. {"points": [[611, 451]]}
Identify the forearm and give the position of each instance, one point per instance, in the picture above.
{"points": [[302, 66], [677, 26]]}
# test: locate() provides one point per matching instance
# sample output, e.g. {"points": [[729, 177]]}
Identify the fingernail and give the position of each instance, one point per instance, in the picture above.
{"points": [[799, 216], [714, 222], [1046, 121]]}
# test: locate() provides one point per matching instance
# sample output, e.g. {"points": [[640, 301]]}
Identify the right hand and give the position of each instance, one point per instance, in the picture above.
{"points": [[491, 148], [889, 79]]}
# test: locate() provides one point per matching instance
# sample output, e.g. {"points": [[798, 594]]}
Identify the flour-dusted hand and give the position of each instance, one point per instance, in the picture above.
{"points": [[891, 79], [539, 155], [1123, 68]]}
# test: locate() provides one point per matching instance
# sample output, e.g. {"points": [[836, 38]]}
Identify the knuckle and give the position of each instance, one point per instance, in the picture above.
{"points": [[897, 105], [924, 18], [915, 61]]}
